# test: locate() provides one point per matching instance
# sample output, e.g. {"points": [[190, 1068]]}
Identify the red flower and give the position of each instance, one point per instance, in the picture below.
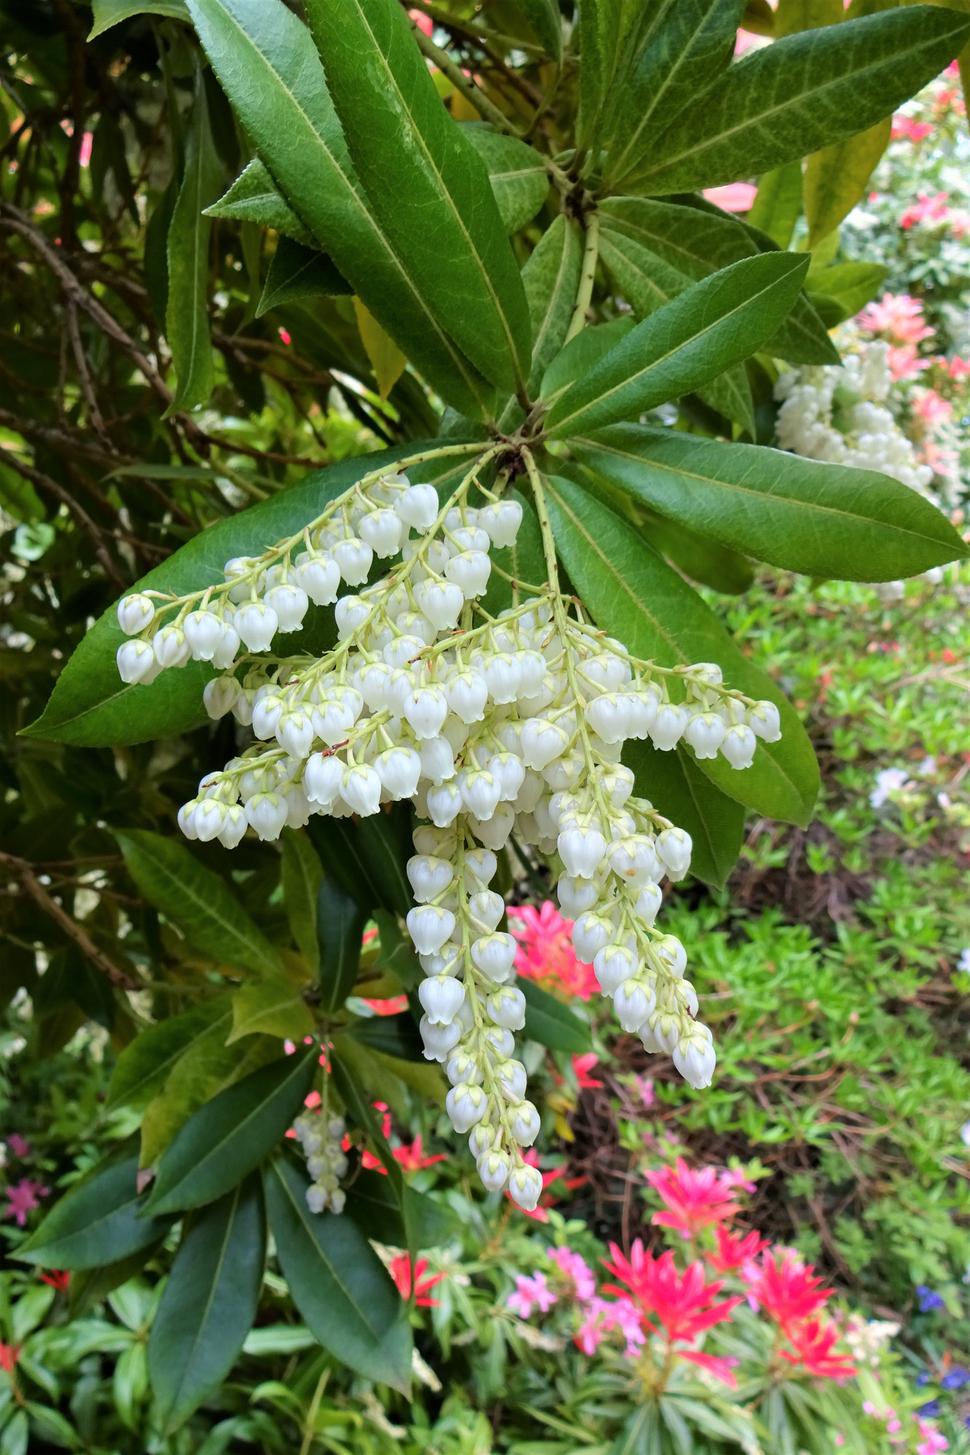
{"points": [[57, 1278], [393, 1005], [813, 1348], [422, 1280], [693, 1200], [582, 1066], [9, 1354], [684, 1303], [735, 1249], [788, 1289], [546, 951], [411, 1156]]}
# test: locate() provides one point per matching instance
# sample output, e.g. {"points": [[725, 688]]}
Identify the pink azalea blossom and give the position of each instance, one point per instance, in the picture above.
{"points": [[904, 362], [931, 407], [546, 949], [577, 1270], [931, 1441], [23, 1197], [18, 1145], [925, 209], [898, 315], [958, 368], [733, 196], [601, 1316], [532, 1291], [905, 127]]}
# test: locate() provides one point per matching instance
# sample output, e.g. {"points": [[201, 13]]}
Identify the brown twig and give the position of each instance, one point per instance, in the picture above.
{"points": [[32, 886]]}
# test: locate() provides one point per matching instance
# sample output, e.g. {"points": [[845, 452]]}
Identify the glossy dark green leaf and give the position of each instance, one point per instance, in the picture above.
{"points": [[582, 353], [90, 705], [678, 47], [99, 1220], [803, 515], [300, 875], [635, 596], [142, 1068], [339, 1285], [551, 279], [375, 1208], [232, 1134], [550, 1022], [545, 22], [405, 145], [647, 283], [778, 203], [850, 285], [367, 856], [209, 1303], [802, 93], [107, 13], [297, 273], [604, 33], [674, 784], [397, 953], [340, 926], [268, 66], [694, 241], [187, 311], [253, 197], [519, 180], [684, 345], [200, 903], [393, 1035], [273, 1007]]}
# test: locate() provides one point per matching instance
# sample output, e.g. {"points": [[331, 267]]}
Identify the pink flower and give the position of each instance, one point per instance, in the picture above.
{"points": [[285, 336], [422, 21], [733, 197], [531, 1291], [958, 368], [931, 1441], [787, 1289], [925, 209], [931, 407], [393, 1005], [577, 1270], [582, 1066], [18, 1145], [905, 126], [904, 362], [693, 1200], [736, 1250], [899, 315], [546, 950], [601, 1317], [23, 1197], [685, 1304], [814, 1350]]}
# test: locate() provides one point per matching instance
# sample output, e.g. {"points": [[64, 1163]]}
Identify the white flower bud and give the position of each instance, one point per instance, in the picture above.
{"points": [[444, 804], [705, 734], [494, 955], [266, 813], [465, 1105], [695, 1058], [439, 1041], [460, 1066], [467, 694], [399, 769], [524, 1123], [426, 709], [429, 876], [634, 860], [764, 720], [361, 789], [739, 745], [429, 927], [470, 571], [493, 1168], [672, 953], [591, 933], [668, 726], [267, 711], [350, 613], [441, 602], [610, 716], [137, 663], [383, 531], [203, 632], [226, 648], [170, 647], [256, 624], [135, 613], [674, 847], [648, 902], [323, 778], [632, 1004], [581, 850], [501, 519], [319, 577], [186, 818], [506, 1007], [512, 1078], [441, 997], [418, 506], [482, 1138], [354, 560], [486, 909], [234, 825], [208, 819], [437, 760], [481, 866], [238, 570], [480, 792], [613, 965], [576, 895], [219, 695], [525, 1187], [294, 732], [290, 604], [541, 741], [494, 832]]}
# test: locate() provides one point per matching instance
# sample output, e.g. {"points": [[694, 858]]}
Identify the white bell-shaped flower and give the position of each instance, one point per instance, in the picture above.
{"points": [[323, 778], [525, 1187], [256, 624], [739, 745], [361, 789], [290, 603], [441, 997], [135, 613], [170, 646], [137, 662]]}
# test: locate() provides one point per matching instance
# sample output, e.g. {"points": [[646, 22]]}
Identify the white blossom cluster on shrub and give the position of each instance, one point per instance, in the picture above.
{"points": [[497, 728]]}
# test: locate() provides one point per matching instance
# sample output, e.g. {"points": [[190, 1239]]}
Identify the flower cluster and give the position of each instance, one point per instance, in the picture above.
{"points": [[322, 1137], [490, 725]]}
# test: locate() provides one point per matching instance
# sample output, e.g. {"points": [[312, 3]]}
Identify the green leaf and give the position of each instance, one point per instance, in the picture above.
{"points": [[850, 285], [301, 874], [144, 1065], [397, 953], [187, 311], [681, 46], [550, 1022], [374, 1207], [635, 596], [519, 181], [606, 32], [253, 197], [199, 902], [802, 515], [340, 927], [111, 12], [227, 1138], [802, 93], [342, 1291], [97, 1221], [269, 68], [90, 705], [383, 354], [675, 785], [545, 22], [275, 1007], [778, 203], [583, 351], [647, 284], [685, 344], [696, 240], [297, 273], [836, 178], [551, 280], [367, 857], [405, 145], [209, 1303]]}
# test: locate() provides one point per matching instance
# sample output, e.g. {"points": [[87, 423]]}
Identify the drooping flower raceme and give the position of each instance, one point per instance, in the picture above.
{"points": [[492, 725]]}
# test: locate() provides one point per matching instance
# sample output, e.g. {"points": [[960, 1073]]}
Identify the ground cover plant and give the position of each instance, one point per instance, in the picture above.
{"points": [[466, 707]]}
